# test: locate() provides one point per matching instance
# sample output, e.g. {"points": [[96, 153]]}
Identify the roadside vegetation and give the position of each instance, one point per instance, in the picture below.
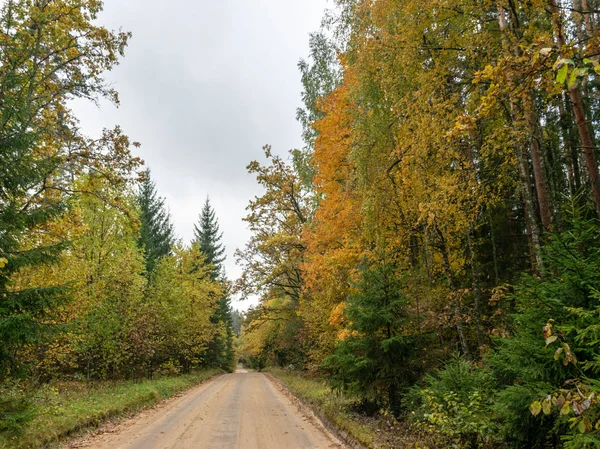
{"points": [[334, 406], [346, 416], [433, 250], [62, 409], [99, 300]]}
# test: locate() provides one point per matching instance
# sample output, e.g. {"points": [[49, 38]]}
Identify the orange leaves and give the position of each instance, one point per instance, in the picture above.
{"points": [[333, 241], [336, 318]]}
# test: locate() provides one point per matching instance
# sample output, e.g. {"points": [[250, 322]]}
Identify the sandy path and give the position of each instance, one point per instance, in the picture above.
{"points": [[235, 411]]}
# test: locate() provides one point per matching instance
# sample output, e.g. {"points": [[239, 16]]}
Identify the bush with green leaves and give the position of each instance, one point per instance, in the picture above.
{"points": [[454, 405], [538, 387]]}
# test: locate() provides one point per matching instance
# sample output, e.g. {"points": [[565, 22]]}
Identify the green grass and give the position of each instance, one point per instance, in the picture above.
{"points": [[333, 405], [58, 410]]}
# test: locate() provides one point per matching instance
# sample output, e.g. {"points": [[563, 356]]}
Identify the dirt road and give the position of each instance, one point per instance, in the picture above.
{"points": [[235, 411]]}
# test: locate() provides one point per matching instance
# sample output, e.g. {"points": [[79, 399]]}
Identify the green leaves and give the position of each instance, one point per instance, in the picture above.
{"points": [[208, 237], [561, 75], [578, 72], [183, 298], [42, 71], [571, 77]]}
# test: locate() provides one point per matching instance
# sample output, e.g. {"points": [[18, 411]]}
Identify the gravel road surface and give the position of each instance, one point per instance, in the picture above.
{"points": [[235, 411]]}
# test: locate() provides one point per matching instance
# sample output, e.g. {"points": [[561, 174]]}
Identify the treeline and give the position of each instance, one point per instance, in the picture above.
{"points": [[434, 249], [93, 282]]}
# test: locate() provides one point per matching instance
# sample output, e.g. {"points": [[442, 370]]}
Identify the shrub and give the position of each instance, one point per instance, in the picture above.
{"points": [[455, 404]]}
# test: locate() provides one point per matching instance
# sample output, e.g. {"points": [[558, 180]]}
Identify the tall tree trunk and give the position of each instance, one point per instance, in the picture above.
{"points": [[577, 18], [590, 28], [494, 249], [571, 156], [583, 126], [539, 173], [458, 312], [531, 223], [477, 293], [528, 109]]}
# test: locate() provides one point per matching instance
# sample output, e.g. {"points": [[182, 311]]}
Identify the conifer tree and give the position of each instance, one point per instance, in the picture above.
{"points": [[20, 310], [237, 318], [372, 357], [208, 237], [156, 233]]}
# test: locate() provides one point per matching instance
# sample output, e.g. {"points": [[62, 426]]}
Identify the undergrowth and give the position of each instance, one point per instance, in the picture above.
{"points": [[51, 413]]}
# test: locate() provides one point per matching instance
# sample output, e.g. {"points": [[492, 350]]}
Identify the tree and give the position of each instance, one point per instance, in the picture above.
{"points": [[374, 353], [272, 258], [98, 332], [221, 351], [208, 237], [586, 134], [47, 58], [237, 318], [108, 329], [320, 75], [183, 298], [333, 240], [156, 231], [274, 335]]}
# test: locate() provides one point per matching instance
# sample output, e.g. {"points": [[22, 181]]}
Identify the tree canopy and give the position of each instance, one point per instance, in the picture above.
{"points": [[442, 263]]}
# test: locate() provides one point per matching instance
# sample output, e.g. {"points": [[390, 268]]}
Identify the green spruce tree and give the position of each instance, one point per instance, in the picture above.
{"points": [[374, 361], [156, 234], [237, 318], [209, 238], [21, 311]]}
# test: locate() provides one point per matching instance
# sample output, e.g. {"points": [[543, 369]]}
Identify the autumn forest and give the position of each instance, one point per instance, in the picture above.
{"points": [[434, 249], [431, 256]]}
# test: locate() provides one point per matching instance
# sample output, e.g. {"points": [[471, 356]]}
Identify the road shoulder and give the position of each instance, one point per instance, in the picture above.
{"points": [[87, 437], [315, 413]]}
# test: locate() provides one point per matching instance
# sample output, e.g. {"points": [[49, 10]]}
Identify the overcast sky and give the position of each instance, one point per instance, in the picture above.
{"points": [[203, 86]]}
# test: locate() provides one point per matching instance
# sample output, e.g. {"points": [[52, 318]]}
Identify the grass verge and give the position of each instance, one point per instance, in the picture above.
{"points": [[334, 407], [338, 412], [59, 410]]}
